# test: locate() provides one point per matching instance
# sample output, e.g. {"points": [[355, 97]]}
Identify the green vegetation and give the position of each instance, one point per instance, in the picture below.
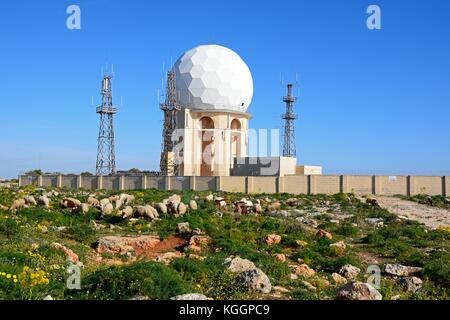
{"points": [[27, 235]]}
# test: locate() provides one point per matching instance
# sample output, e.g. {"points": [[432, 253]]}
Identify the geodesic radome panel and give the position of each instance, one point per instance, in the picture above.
{"points": [[212, 77]]}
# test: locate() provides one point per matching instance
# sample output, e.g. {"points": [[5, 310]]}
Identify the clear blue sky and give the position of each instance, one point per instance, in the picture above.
{"points": [[369, 101]]}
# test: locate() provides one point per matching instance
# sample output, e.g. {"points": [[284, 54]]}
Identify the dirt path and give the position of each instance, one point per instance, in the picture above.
{"points": [[430, 216]]}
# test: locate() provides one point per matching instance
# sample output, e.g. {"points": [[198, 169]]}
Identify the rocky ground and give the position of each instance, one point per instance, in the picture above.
{"points": [[156, 244]]}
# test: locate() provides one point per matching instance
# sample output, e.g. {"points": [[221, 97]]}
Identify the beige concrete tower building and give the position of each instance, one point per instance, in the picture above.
{"points": [[214, 89]]}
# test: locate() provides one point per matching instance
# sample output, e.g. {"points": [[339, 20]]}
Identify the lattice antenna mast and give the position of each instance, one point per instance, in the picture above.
{"points": [[170, 108], [106, 157], [289, 128]]}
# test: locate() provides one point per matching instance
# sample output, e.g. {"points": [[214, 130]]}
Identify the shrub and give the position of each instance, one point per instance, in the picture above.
{"points": [[123, 282]]}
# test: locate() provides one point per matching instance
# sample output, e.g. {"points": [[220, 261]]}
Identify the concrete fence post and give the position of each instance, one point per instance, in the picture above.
{"points": [[410, 186], [311, 184], [59, 181], [280, 184], [444, 191], [374, 185], [99, 182], [249, 184], [192, 183], [79, 182], [378, 185], [167, 184], [19, 179], [144, 182], [447, 186], [218, 183], [39, 181], [344, 184], [122, 182]]}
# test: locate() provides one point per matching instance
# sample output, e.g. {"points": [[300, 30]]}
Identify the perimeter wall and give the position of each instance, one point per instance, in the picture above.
{"points": [[314, 184]]}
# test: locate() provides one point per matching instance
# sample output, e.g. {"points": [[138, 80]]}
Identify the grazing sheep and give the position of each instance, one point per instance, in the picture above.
{"points": [[44, 201], [93, 202], [29, 200], [126, 212], [373, 202], [107, 209], [161, 207], [70, 203], [18, 204], [104, 202]]}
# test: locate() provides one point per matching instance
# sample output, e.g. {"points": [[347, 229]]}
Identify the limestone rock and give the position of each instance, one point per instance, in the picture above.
{"points": [[323, 233], [190, 296], [349, 272], [197, 243], [138, 297], [358, 291], [254, 280], [377, 222], [168, 257], [273, 239], [116, 244], [237, 264], [71, 256], [411, 284], [338, 279], [401, 270], [280, 257], [338, 247], [309, 286], [304, 271]]}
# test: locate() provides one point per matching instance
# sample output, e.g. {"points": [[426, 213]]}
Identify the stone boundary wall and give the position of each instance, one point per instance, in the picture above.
{"points": [[321, 184]]}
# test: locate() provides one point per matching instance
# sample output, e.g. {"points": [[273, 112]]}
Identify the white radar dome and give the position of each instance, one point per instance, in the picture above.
{"points": [[212, 77]]}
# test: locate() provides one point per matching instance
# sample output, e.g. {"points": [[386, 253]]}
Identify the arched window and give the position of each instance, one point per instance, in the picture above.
{"points": [[235, 124], [207, 142], [235, 139]]}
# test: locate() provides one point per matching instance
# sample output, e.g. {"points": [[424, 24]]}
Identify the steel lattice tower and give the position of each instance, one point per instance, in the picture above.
{"points": [[170, 107], [289, 128], [106, 157]]}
